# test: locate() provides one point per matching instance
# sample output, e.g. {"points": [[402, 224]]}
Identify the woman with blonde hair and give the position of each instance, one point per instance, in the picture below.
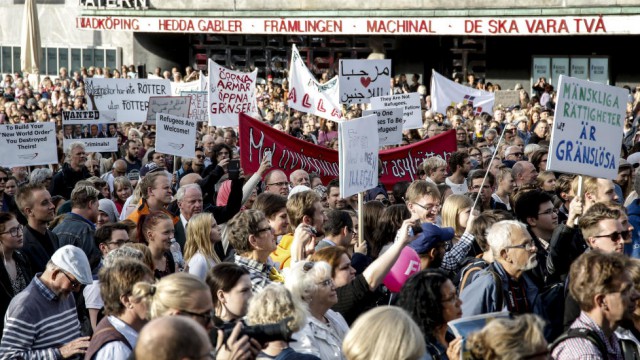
{"points": [[455, 214], [202, 233], [546, 181], [386, 332], [513, 339]]}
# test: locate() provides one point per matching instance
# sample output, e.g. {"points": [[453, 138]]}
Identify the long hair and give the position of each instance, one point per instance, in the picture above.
{"points": [[390, 222], [199, 238], [147, 222]]}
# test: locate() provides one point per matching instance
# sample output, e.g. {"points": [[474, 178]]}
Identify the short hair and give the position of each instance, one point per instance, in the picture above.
{"points": [[431, 164], [421, 188], [304, 277], [590, 220], [39, 176], [103, 234], [563, 184], [242, 225], [149, 181], [82, 195], [589, 185], [451, 208], [131, 141], [199, 238], [183, 190], [527, 204], [73, 145], [480, 174], [332, 255], [371, 337], [502, 338], [457, 159], [174, 291], [336, 221], [171, 337], [593, 273], [148, 222], [502, 173], [400, 191], [301, 204], [483, 223], [24, 195], [270, 203], [499, 235], [273, 304], [333, 183], [119, 279], [224, 276]]}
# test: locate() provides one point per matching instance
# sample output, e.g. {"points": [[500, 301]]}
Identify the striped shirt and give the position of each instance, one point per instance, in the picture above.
{"points": [[38, 323], [584, 349], [258, 272]]}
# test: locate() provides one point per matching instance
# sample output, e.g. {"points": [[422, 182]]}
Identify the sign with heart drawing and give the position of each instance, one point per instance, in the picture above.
{"points": [[361, 80]]}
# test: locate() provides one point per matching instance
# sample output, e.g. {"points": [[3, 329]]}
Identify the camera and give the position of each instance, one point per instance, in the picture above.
{"points": [[234, 169], [261, 333]]}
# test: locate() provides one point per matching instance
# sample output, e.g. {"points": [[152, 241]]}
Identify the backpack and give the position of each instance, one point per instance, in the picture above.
{"points": [[469, 268], [581, 333], [466, 278]]}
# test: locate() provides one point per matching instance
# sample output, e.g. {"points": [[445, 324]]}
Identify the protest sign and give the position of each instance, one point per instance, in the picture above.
{"points": [[198, 105], [445, 92], [98, 130], [507, 98], [361, 80], [290, 153], [128, 97], [587, 131], [358, 153], [306, 94], [410, 103], [389, 123], [28, 144], [230, 93], [175, 135], [170, 105], [179, 87]]}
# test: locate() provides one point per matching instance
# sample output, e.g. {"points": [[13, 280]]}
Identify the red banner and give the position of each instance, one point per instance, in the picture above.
{"points": [[290, 153]]}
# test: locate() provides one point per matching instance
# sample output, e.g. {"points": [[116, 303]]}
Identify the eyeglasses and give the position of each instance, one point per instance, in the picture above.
{"points": [[119, 243], [269, 228], [4, 179], [280, 184], [207, 316], [326, 283], [200, 156], [74, 283], [614, 236], [528, 246], [429, 207], [15, 232], [549, 212]]}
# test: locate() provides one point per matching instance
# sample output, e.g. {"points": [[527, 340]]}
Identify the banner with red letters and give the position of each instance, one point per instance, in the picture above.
{"points": [[290, 153]]}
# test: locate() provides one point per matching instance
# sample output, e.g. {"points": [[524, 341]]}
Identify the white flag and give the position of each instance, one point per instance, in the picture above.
{"points": [[308, 95], [445, 92]]}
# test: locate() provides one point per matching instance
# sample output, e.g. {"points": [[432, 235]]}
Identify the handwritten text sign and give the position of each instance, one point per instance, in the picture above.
{"points": [[170, 105], [28, 144], [507, 98], [230, 93], [389, 125], [412, 115], [198, 108], [175, 135], [587, 131], [361, 80], [358, 153]]}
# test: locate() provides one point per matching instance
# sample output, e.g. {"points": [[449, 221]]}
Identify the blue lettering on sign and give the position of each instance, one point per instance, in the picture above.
{"points": [[576, 151]]}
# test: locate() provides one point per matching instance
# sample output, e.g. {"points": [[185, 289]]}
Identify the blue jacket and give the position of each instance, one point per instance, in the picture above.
{"points": [[633, 249], [78, 231]]}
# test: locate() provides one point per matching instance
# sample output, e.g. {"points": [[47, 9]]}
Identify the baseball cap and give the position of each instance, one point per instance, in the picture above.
{"points": [[297, 189], [430, 236], [73, 260], [150, 168]]}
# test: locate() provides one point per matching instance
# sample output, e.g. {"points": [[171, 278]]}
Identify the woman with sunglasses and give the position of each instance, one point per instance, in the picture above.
{"points": [[15, 274]]}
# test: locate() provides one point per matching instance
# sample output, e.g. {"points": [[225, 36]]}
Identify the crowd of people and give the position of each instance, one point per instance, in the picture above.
{"points": [[134, 254]]}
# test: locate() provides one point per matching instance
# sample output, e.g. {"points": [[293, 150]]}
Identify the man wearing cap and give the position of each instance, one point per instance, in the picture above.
{"points": [[431, 245], [73, 170], [42, 321]]}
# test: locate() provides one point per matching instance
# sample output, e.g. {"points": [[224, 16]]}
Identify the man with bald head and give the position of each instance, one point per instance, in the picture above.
{"points": [[276, 182], [524, 173], [514, 153], [171, 338], [299, 177]]}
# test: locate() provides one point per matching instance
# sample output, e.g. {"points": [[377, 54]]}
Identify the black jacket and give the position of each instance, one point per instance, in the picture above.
{"points": [[65, 180], [36, 253], [6, 290]]}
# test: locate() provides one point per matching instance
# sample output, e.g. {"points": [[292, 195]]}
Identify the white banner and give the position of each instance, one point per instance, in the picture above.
{"points": [[361, 80], [204, 81], [230, 94], [389, 122], [128, 97], [410, 103], [178, 87], [172, 105], [98, 129], [175, 135], [587, 131], [198, 108], [358, 153], [306, 94], [445, 92], [28, 144]]}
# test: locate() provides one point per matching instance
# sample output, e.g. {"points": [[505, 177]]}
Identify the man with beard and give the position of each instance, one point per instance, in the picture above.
{"points": [[504, 283], [41, 321], [34, 201], [432, 244], [459, 165], [131, 158]]}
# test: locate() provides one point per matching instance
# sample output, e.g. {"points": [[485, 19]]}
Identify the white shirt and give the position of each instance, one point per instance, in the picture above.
{"points": [[117, 349], [458, 189], [92, 296], [199, 265], [184, 222], [320, 339]]}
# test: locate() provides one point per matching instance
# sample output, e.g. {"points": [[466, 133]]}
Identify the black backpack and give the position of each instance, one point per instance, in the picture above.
{"points": [[584, 334]]}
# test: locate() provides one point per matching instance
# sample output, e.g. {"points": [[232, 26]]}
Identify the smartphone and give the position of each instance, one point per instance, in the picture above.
{"points": [[234, 169], [268, 155]]}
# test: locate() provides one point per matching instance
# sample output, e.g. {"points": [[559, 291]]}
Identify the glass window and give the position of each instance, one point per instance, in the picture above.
{"points": [[112, 62], [52, 61], [87, 57], [76, 60], [99, 57], [16, 58], [6, 59], [63, 58]]}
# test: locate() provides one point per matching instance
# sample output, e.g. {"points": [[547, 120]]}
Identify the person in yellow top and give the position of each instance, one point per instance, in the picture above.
{"points": [[156, 195], [302, 208]]}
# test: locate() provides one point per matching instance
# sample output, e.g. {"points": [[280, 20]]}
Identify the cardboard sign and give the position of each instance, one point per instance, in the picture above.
{"points": [[171, 105], [96, 129], [230, 93], [361, 80], [129, 98], [507, 98], [198, 107], [410, 103], [587, 131], [389, 123], [175, 135], [28, 144], [358, 154]]}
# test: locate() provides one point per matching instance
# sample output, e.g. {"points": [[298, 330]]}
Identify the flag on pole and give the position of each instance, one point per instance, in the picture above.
{"points": [[445, 92]]}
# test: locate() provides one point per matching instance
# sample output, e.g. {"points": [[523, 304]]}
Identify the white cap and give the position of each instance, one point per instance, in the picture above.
{"points": [[73, 260], [297, 189]]}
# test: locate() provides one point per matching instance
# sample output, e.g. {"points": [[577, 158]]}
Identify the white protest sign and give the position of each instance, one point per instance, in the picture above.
{"points": [[175, 135], [306, 94], [198, 108], [28, 144], [230, 94], [389, 125], [128, 97], [172, 105], [97, 129], [412, 114], [507, 98], [358, 153], [587, 131], [179, 87], [361, 80]]}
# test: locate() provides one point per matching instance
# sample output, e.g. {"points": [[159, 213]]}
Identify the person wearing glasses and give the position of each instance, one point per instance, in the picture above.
{"points": [[15, 273], [325, 329], [276, 182], [505, 284], [423, 201], [513, 153], [42, 321]]}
